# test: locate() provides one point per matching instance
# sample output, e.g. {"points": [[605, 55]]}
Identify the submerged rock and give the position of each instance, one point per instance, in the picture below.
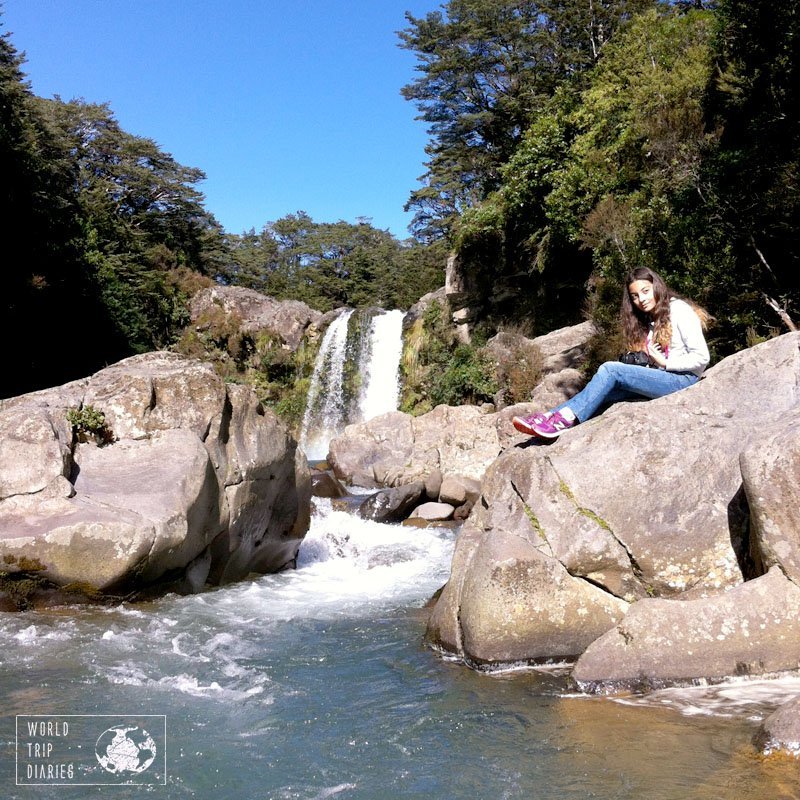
{"points": [[780, 731], [323, 484]]}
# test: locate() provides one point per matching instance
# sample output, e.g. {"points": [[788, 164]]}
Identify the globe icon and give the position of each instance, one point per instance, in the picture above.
{"points": [[125, 749]]}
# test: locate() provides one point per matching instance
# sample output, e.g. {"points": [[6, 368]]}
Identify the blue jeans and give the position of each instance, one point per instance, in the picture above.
{"points": [[615, 381]]}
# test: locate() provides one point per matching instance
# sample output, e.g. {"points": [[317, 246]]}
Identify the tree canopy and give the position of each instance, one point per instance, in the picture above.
{"points": [[569, 141], [673, 145], [487, 70], [334, 264]]}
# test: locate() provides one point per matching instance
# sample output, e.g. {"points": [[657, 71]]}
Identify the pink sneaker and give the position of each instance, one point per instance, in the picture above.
{"points": [[552, 427], [526, 424]]}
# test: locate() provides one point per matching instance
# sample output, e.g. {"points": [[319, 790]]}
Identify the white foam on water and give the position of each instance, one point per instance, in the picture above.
{"points": [[127, 675], [34, 635], [212, 644], [750, 698]]}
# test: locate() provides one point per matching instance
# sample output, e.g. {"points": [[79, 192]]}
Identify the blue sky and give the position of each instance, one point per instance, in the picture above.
{"points": [[284, 104]]}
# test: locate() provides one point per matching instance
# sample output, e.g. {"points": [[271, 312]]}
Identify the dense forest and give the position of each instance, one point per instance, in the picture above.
{"points": [[572, 141], [569, 141]]}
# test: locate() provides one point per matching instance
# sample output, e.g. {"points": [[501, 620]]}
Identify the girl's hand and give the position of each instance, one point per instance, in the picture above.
{"points": [[656, 352]]}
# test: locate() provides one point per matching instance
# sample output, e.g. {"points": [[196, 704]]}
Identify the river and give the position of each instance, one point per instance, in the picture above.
{"points": [[314, 683]]}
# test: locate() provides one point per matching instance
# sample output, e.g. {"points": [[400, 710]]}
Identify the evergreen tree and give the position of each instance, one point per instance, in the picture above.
{"points": [[752, 191], [488, 69], [143, 219], [328, 265], [53, 324]]}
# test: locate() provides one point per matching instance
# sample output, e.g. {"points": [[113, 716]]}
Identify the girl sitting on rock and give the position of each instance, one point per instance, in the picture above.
{"points": [[667, 352]]}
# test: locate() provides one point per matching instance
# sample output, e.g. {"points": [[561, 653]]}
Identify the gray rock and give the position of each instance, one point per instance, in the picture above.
{"points": [[780, 731], [565, 348], [643, 501], [392, 505], [433, 483], [394, 449], [201, 480], [168, 482], [508, 602], [35, 449], [754, 629], [287, 319], [457, 490], [460, 285], [419, 308], [771, 479], [323, 484], [433, 512], [556, 356]]}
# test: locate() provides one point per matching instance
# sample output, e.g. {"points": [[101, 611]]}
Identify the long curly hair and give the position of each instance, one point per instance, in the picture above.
{"points": [[636, 324]]}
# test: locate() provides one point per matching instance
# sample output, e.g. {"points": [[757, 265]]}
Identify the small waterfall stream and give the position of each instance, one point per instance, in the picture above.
{"points": [[356, 376]]}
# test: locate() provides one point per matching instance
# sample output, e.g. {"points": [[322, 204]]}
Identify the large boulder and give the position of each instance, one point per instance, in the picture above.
{"points": [[458, 442], [538, 373], [395, 449], [754, 629], [508, 602], [287, 319], [644, 501], [200, 482]]}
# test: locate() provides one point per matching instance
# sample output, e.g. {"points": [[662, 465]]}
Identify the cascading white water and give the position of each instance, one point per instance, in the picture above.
{"points": [[324, 409], [381, 388], [372, 350]]}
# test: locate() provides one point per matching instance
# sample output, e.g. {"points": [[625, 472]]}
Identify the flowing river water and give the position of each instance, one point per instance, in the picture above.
{"points": [[315, 683]]}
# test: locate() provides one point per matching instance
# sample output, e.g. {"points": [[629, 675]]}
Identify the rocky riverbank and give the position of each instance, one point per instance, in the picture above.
{"points": [[187, 481], [656, 545]]}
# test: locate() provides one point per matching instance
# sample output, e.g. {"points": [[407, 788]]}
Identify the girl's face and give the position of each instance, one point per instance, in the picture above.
{"points": [[642, 296]]}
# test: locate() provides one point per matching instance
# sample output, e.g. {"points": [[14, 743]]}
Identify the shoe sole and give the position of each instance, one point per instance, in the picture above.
{"points": [[520, 424], [543, 435]]}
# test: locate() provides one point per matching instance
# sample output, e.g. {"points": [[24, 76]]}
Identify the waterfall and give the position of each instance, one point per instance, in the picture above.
{"points": [[356, 376], [381, 389]]}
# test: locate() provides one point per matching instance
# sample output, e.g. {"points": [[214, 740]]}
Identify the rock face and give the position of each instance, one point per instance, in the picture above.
{"points": [[752, 629], [645, 501], [396, 449], [771, 476], [201, 483], [287, 319]]}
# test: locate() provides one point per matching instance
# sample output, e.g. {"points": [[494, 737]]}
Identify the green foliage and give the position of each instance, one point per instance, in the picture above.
{"points": [[142, 218], [467, 378], [89, 422], [486, 71], [279, 377], [519, 370], [46, 278], [328, 265], [437, 368], [679, 150]]}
